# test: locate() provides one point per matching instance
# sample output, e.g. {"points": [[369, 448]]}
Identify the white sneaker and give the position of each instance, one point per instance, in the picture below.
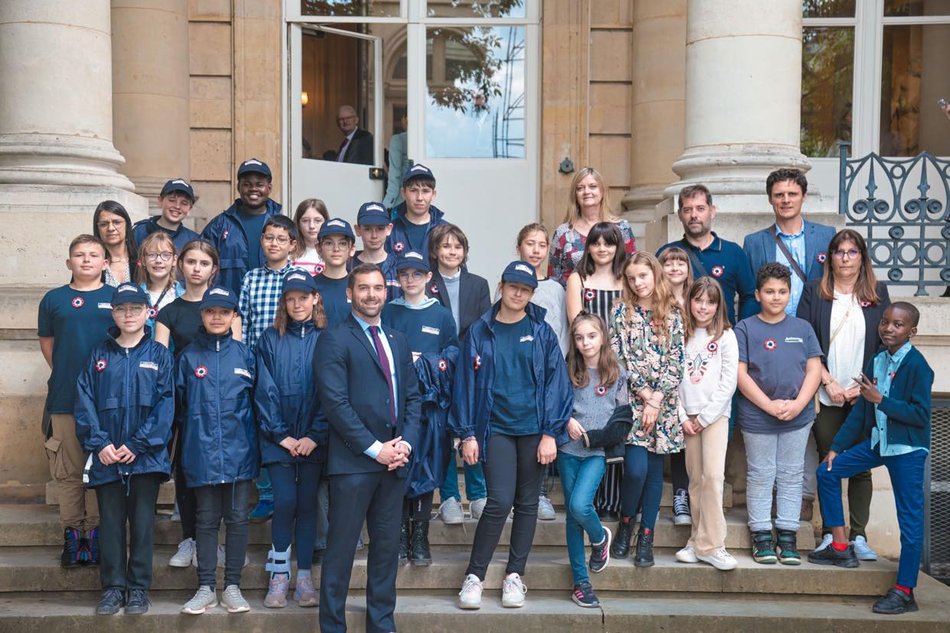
{"points": [[545, 509], [470, 597], [451, 512], [862, 550], [513, 591], [233, 601], [203, 600], [477, 507], [720, 559], [687, 555], [825, 542], [185, 554]]}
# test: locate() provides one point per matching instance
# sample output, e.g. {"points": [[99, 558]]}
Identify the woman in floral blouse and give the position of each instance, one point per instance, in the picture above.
{"points": [[588, 206], [648, 336]]}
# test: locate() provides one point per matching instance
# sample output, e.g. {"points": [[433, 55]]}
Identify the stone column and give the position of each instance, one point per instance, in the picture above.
{"points": [[150, 91]]}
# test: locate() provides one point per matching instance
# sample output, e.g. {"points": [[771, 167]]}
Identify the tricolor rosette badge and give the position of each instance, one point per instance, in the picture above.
{"points": [[399, 247], [152, 313], [601, 390], [201, 371], [443, 366], [717, 271], [822, 257], [318, 268], [434, 289], [78, 302], [589, 295], [712, 347], [478, 361], [770, 344], [101, 365]]}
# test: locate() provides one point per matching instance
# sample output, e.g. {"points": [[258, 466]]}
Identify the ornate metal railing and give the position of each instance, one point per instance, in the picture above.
{"points": [[903, 217]]}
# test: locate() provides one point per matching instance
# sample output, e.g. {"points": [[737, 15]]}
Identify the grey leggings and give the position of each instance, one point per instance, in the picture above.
{"points": [[775, 459]]}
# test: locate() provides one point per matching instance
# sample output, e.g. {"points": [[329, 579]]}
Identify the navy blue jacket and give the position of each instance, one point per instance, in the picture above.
{"points": [[907, 407], [214, 380], [725, 262], [286, 394], [226, 232], [180, 237], [398, 241], [431, 455], [472, 394], [125, 397], [354, 395]]}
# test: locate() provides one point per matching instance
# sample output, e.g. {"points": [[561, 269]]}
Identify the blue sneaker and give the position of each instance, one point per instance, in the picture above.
{"points": [[262, 511]]}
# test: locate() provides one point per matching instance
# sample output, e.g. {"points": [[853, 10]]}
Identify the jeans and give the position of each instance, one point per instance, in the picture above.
{"points": [[474, 481], [860, 486], [295, 508], [217, 502], [642, 484], [513, 477], [580, 477], [129, 502], [775, 459], [907, 479]]}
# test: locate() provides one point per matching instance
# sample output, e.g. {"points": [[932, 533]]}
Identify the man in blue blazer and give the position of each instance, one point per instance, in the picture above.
{"points": [[806, 242], [370, 398]]}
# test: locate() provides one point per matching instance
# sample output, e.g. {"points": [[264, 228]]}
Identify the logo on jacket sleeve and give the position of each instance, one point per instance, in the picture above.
{"points": [[101, 365], [717, 271], [770, 344], [77, 302], [201, 371]]}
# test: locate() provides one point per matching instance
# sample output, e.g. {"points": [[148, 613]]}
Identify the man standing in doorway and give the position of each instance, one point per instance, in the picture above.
{"points": [[357, 145], [370, 398]]}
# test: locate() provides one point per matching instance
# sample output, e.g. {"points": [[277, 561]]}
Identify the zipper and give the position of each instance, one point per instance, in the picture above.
{"points": [[217, 401], [128, 402]]}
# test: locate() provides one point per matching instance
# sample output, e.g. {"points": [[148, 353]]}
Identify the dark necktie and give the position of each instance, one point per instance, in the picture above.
{"points": [[387, 371]]}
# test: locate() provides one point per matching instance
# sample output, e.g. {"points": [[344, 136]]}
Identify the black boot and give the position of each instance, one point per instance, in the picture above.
{"points": [[643, 557], [621, 545], [70, 555], [404, 537], [420, 555]]}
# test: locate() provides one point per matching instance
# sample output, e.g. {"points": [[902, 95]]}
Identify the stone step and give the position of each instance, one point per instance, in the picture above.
{"points": [[544, 612], [32, 525], [37, 569]]}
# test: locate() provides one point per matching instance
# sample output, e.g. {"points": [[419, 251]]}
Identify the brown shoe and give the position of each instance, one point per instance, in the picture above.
{"points": [[808, 508]]}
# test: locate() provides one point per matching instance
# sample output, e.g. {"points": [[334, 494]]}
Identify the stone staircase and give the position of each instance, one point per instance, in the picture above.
{"points": [[36, 595]]}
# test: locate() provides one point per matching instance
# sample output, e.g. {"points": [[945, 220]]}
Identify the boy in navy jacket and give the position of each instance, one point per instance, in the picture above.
{"points": [[124, 410], [416, 216], [214, 380], [890, 426]]}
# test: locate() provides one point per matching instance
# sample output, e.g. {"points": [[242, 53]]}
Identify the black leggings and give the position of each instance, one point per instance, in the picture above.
{"points": [[513, 477], [418, 508]]}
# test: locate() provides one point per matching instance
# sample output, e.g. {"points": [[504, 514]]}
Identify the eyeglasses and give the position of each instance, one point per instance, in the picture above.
{"points": [[135, 309], [163, 256], [851, 254], [104, 224], [342, 245], [411, 274], [280, 239]]}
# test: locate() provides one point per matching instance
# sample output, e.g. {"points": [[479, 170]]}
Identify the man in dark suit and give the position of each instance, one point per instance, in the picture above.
{"points": [[370, 398], [357, 144]]}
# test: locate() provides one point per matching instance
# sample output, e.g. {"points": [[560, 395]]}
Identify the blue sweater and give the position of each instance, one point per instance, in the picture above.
{"points": [[907, 408]]}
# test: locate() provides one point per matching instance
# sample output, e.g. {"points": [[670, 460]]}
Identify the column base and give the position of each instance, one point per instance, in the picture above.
{"points": [[54, 159], [736, 168]]}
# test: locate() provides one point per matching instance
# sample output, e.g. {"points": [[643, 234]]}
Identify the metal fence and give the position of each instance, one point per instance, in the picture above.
{"points": [[937, 489], [899, 205]]}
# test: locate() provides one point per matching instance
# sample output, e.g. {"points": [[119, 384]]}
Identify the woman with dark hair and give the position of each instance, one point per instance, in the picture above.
{"points": [[844, 308], [111, 224]]}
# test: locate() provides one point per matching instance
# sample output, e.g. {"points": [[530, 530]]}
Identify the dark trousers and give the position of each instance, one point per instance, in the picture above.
{"points": [[418, 508], [642, 484], [377, 498], [226, 502], [907, 480], [184, 496], [513, 477], [860, 487], [295, 508], [129, 502], [678, 474]]}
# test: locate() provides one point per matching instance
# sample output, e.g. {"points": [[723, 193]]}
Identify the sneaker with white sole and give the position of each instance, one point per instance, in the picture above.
{"points": [[862, 550], [826, 540], [477, 507], [185, 555], [451, 512], [470, 597], [545, 509], [233, 601], [277, 589], [687, 555], [720, 559], [600, 554], [513, 591], [681, 515], [203, 600]]}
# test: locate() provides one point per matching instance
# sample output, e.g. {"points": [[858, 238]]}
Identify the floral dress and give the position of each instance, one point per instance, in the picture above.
{"points": [[567, 246], [654, 363]]}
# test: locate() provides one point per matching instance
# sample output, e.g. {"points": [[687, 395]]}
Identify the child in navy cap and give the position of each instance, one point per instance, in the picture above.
{"points": [[416, 216], [373, 226], [336, 243]]}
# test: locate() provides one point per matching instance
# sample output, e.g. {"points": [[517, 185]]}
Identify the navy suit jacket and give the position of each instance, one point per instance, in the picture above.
{"points": [[474, 297], [354, 396], [760, 248]]}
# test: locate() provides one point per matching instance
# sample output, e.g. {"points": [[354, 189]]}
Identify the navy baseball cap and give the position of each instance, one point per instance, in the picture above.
{"points": [[372, 214], [520, 273], [336, 226], [412, 261], [298, 280], [129, 293], [254, 166], [218, 297], [178, 184], [417, 171]]}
